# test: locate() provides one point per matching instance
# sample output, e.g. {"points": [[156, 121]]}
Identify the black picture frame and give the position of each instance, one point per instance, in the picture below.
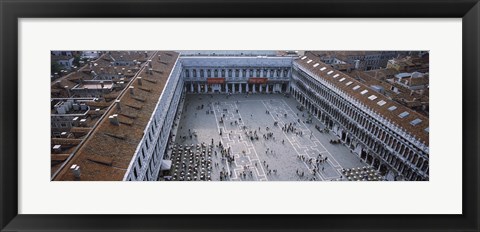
{"points": [[12, 10]]}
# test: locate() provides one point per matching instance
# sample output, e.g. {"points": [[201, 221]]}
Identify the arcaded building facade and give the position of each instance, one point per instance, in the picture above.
{"points": [[252, 74], [385, 134], [148, 157]]}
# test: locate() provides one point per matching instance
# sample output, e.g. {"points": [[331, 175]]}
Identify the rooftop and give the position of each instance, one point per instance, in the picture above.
{"points": [[107, 152], [140, 56]]}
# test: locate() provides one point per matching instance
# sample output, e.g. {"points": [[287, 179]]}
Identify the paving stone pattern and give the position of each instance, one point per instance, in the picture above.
{"points": [[277, 158]]}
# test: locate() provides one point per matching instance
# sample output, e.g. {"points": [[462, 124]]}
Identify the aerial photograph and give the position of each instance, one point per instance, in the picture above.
{"points": [[239, 115]]}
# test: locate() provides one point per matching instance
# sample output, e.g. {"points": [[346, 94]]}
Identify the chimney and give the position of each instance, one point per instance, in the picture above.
{"points": [[75, 121], [114, 119], [357, 64], [149, 63], [83, 122], [150, 70], [132, 90], [57, 149], [101, 84], [117, 104], [139, 80], [76, 171], [146, 54]]}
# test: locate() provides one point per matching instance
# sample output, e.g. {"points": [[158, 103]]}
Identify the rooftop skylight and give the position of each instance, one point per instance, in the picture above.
{"points": [[381, 102], [403, 114], [416, 122], [392, 108]]}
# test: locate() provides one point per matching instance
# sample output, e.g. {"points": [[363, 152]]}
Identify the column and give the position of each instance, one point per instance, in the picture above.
{"points": [[206, 88], [254, 88], [226, 87], [240, 87], [247, 87], [191, 87], [198, 85], [418, 160], [267, 87]]}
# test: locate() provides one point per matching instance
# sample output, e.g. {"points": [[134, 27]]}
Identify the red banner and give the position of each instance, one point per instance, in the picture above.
{"points": [[219, 80], [257, 80]]}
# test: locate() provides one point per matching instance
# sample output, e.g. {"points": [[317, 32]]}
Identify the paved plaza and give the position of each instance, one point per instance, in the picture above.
{"points": [[268, 139]]}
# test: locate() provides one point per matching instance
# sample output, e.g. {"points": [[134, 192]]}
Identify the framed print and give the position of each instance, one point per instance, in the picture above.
{"points": [[224, 115]]}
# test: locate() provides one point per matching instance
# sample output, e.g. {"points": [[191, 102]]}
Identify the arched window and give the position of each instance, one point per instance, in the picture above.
{"points": [[215, 73], [194, 73], [187, 73]]}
